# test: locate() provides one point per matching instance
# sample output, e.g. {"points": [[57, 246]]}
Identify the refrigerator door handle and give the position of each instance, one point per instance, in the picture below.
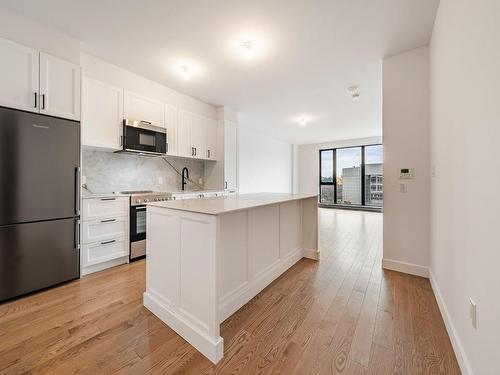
{"points": [[77, 234], [77, 190]]}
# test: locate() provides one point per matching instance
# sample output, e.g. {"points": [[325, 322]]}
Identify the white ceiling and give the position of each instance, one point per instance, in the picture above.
{"points": [[310, 52]]}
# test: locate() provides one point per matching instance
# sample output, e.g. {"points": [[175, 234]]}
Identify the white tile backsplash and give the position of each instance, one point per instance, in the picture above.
{"points": [[107, 172]]}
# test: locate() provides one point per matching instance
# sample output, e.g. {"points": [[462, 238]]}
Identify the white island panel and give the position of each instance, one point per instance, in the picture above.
{"points": [[233, 254], [263, 239], [203, 266]]}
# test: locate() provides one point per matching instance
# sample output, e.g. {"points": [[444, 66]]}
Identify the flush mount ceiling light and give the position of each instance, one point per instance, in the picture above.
{"points": [[185, 72], [303, 120], [248, 45], [353, 91], [248, 48]]}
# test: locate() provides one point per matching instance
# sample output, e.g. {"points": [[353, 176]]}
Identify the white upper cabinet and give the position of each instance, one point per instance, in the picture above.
{"points": [[102, 114], [184, 146], [211, 129], [59, 87], [195, 134], [138, 107], [37, 82], [19, 73], [171, 122], [199, 136], [230, 155]]}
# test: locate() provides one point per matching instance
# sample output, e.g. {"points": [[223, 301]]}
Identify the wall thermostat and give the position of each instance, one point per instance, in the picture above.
{"points": [[406, 174]]}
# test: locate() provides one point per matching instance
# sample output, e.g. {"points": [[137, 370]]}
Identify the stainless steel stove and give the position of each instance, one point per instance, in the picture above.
{"points": [[141, 197], [138, 201]]}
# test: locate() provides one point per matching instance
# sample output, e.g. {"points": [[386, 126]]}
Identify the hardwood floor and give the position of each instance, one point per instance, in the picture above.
{"points": [[343, 314]]}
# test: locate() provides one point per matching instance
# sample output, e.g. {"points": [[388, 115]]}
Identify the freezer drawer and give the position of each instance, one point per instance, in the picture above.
{"points": [[104, 229], [34, 256]]}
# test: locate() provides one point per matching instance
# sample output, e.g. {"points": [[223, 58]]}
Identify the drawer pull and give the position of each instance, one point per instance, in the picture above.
{"points": [[108, 199], [107, 242], [108, 221]]}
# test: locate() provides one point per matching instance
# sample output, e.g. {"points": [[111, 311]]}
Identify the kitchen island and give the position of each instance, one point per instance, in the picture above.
{"points": [[206, 258]]}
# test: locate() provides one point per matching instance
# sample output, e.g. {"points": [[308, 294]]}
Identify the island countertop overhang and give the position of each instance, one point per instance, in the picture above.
{"points": [[232, 203]]}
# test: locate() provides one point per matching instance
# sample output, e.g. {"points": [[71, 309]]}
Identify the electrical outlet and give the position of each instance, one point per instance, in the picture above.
{"points": [[200, 181], [84, 180], [403, 188], [160, 180], [473, 313]]}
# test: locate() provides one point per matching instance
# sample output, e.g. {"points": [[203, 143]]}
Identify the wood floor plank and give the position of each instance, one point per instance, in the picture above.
{"points": [[343, 314]]}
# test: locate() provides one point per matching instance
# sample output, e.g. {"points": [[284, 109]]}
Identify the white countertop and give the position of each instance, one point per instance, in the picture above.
{"points": [[88, 195], [221, 205], [179, 192]]}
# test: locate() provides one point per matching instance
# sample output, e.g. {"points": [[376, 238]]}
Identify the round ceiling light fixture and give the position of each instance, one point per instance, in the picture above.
{"points": [[304, 120], [248, 48], [185, 72], [353, 91]]}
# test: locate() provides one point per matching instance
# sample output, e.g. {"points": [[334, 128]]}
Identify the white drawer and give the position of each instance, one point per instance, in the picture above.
{"points": [[102, 251], [104, 229], [102, 208]]}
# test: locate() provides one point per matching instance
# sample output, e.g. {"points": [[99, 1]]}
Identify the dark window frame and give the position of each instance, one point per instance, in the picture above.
{"points": [[334, 182]]}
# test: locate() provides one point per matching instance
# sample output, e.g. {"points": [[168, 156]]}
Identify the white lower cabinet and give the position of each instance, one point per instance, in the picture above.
{"points": [[103, 251], [105, 233], [100, 230]]}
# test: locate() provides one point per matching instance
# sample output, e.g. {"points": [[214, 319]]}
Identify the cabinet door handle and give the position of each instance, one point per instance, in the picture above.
{"points": [[195, 151], [108, 221], [208, 154], [108, 199], [225, 184], [145, 122], [107, 242], [43, 101], [167, 149], [36, 104]]}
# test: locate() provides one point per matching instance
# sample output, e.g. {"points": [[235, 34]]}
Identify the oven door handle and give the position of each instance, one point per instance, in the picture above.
{"points": [[140, 208]]}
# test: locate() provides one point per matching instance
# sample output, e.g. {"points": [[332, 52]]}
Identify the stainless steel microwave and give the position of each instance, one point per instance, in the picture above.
{"points": [[143, 138]]}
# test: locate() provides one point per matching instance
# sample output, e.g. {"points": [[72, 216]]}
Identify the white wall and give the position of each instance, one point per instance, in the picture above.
{"points": [[465, 134], [406, 145], [265, 164], [308, 161], [104, 71], [22, 30]]}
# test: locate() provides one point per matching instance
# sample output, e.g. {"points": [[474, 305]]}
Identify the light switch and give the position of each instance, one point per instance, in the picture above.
{"points": [[160, 180]]}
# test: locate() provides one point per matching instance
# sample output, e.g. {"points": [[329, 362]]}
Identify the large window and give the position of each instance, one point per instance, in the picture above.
{"points": [[352, 176]]}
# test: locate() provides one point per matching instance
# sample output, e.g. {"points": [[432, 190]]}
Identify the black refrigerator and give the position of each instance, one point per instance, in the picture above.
{"points": [[39, 202]]}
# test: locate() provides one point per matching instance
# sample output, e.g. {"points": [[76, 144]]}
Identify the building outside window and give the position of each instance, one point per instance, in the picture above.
{"points": [[352, 176]]}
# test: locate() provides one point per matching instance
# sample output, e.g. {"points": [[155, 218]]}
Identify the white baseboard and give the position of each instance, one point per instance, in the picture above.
{"points": [[310, 254], [213, 350], [102, 266], [450, 328], [410, 268]]}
